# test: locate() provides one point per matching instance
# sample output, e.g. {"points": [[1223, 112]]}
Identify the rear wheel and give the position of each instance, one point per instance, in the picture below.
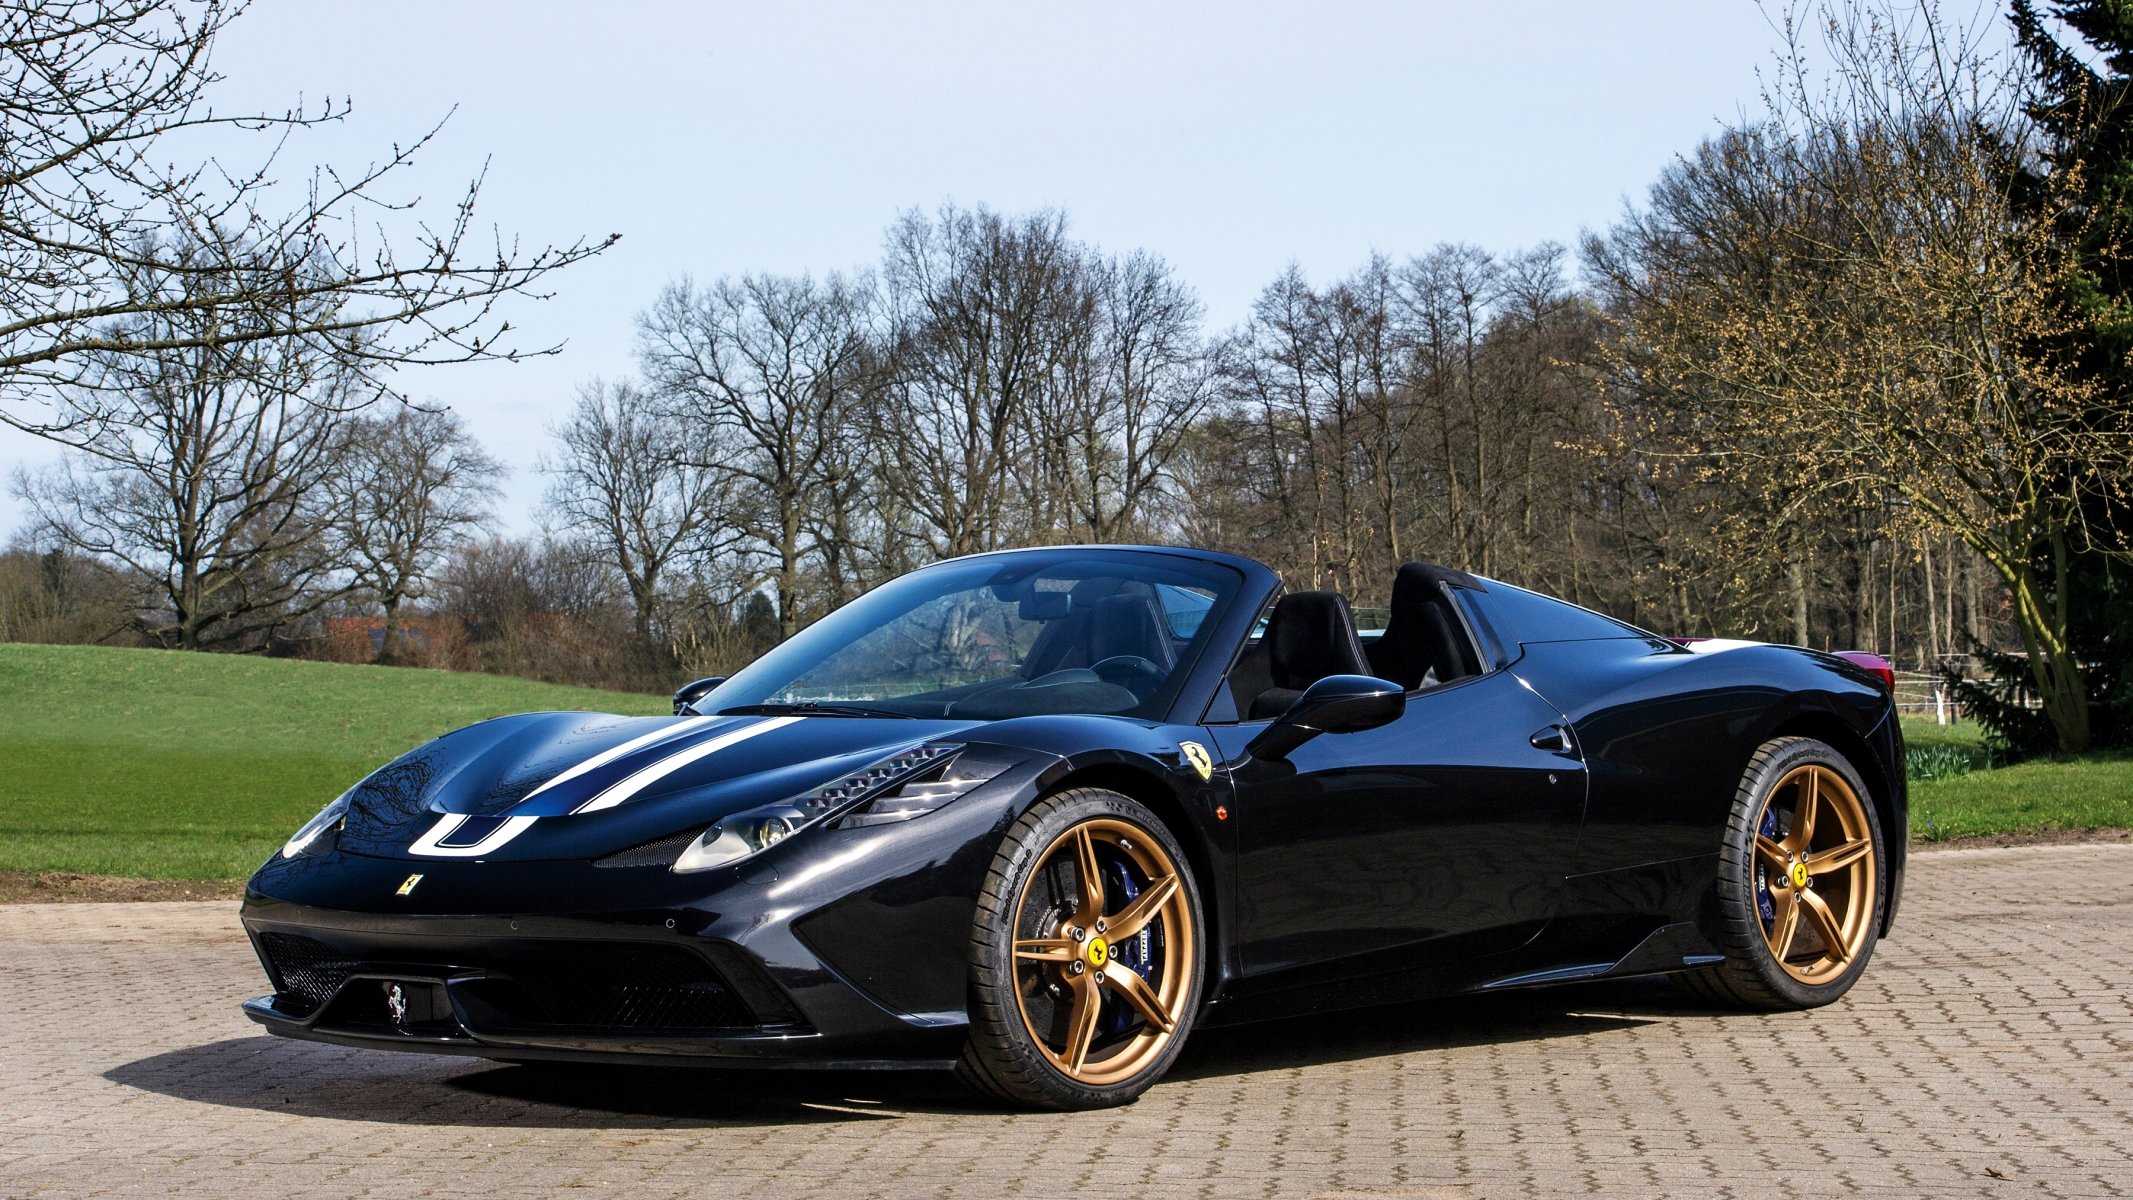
{"points": [[1802, 879], [1085, 956]]}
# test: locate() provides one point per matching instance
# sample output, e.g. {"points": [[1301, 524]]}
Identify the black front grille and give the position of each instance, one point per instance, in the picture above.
{"points": [[608, 986], [548, 984], [305, 972]]}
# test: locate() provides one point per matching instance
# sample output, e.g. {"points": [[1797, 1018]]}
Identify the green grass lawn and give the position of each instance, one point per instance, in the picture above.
{"points": [[168, 765], [2091, 792], [1921, 731]]}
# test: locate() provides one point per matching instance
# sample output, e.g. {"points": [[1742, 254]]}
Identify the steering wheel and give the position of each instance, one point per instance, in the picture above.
{"points": [[1128, 669]]}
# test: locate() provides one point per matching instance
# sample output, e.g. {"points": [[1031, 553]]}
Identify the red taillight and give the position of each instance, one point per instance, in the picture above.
{"points": [[1873, 664]]}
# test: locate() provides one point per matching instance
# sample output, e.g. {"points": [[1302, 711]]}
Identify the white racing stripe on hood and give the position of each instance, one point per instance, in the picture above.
{"points": [[614, 752], [444, 828], [645, 776]]}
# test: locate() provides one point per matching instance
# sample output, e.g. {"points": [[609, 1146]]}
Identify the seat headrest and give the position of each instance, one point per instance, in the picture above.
{"points": [[1420, 634], [1128, 625], [1312, 635], [1402, 652]]}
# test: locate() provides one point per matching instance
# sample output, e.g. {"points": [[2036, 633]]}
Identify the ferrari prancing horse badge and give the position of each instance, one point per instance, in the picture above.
{"points": [[1196, 754]]}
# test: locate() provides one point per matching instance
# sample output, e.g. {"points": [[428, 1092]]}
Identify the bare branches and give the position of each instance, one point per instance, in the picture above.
{"points": [[774, 373], [198, 476], [402, 491], [1848, 297], [982, 309], [102, 97], [646, 494]]}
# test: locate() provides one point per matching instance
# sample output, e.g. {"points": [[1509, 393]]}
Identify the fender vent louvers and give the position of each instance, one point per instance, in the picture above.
{"points": [[660, 853]]}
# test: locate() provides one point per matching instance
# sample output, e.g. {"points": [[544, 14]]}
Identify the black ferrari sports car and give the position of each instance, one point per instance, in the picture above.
{"points": [[1036, 815]]}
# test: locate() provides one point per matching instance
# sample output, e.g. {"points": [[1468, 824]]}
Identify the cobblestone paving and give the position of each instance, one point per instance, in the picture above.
{"points": [[1989, 1052]]}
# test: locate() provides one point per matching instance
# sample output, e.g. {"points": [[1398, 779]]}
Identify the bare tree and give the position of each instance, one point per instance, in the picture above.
{"points": [[1268, 388], [56, 595], [103, 187], [1862, 316], [775, 369], [199, 472], [1150, 381], [1449, 292], [197, 465], [647, 499], [977, 303], [403, 489]]}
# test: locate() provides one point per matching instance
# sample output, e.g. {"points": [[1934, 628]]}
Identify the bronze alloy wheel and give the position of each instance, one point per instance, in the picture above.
{"points": [[1086, 954], [1097, 981], [1801, 881], [1814, 861]]}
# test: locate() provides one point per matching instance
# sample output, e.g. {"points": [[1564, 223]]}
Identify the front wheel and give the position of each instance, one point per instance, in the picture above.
{"points": [[1085, 956], [1802, 880]]}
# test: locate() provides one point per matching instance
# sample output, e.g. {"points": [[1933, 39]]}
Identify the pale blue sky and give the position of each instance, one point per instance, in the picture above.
{"points": [[1230, 137]]}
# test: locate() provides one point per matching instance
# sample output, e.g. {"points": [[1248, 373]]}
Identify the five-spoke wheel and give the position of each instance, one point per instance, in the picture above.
{"points": [[1801, 880], [1086, 955], [1814, 873]]}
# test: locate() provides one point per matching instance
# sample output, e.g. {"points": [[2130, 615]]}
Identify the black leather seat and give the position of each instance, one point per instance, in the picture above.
{"points": [[1309, 636], [1129, 625], [1066, 640], [1422, 643]]}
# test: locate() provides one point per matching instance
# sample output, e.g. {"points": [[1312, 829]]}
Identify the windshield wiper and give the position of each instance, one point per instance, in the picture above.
{"points": [[812, 708]]}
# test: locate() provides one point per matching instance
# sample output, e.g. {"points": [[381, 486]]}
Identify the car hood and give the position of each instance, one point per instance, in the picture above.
{"points": [[579, 785]]}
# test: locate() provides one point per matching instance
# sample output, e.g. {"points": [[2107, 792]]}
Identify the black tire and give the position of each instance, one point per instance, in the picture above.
{"points": [[1005, 1058], [1756, 885]]}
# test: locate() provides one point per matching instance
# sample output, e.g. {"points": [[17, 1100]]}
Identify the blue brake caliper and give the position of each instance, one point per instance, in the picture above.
{"points": [[1131, 954], [1763, 907]]}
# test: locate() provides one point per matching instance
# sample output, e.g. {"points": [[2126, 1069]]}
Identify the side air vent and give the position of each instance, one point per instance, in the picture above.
{"points": [[660, 853]]}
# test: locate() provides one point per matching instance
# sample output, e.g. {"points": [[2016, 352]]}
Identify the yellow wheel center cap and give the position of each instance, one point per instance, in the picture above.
{"points": [[1099, 952], [1799, 874]]}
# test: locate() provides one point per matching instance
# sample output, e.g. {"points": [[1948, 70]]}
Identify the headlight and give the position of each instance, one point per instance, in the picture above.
{"points": [[898, 788], [328, 820]]}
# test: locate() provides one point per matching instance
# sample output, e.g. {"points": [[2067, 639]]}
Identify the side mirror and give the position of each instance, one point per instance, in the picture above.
{"points": [[1335, 704], [690, 693]]}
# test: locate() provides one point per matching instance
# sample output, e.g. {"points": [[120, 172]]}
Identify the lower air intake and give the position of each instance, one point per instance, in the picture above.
{"points": [[607, 986], [305, 972]]}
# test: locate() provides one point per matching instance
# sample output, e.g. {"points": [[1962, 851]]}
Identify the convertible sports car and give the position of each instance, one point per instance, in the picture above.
{"points": [[1038, 814]]}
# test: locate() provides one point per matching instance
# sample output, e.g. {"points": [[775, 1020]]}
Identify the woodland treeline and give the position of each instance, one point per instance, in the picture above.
{"points": [[1851, 375]]}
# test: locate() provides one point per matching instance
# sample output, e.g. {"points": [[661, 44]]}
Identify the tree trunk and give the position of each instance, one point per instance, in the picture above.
{"points": [[1925, 551], [2052, 667], [389, 642], [1799, 599]]}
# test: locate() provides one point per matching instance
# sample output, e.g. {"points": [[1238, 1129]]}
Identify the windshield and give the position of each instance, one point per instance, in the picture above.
{"points": [[1004, 635]]}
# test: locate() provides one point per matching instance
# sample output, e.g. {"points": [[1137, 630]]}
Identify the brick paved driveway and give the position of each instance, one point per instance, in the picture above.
{"points": [[1988, 1052]]}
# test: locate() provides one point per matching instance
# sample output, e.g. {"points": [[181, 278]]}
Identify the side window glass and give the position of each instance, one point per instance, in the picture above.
{"points": [[1247, 677], [1184, 608], [1370, 624]]}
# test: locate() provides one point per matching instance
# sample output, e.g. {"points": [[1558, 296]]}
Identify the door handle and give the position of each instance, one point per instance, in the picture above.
{"points": [[1555, 739]]}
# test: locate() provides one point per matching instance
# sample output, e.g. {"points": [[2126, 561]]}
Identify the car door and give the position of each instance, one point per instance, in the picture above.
{"points": [[1444, 835]]}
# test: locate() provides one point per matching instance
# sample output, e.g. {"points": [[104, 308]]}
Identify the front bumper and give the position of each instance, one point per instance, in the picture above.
{"points": [[558, 987], [837, 949]]}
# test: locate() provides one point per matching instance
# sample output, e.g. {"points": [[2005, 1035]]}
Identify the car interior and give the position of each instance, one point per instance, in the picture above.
{"points": [[1099, 619], [1105, 645], [1310, 635]]}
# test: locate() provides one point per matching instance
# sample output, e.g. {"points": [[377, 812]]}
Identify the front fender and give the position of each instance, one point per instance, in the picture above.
{"points": [[895, 912]]}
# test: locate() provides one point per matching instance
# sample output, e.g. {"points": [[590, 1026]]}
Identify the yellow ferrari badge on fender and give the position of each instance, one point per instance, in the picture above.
{"points": [[1196, 754], [408, 885]]}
